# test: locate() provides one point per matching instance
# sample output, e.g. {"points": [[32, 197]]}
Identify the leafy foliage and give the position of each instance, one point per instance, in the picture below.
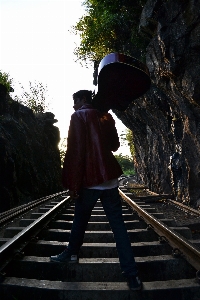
{"points": [[62, 148], [6, 80], [129, 138], [109, 26], [126, 164], [35, 97]]}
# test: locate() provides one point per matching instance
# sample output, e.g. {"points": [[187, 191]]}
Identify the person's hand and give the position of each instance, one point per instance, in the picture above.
{"points": [[73, 194]]}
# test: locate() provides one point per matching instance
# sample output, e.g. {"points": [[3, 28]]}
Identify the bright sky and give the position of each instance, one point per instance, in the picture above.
{"points": [[36, 45]]}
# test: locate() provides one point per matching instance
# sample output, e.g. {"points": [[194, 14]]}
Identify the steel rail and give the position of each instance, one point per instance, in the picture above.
{"points": [[19, 241], [10, 214], [185, 207], [187, 249]]}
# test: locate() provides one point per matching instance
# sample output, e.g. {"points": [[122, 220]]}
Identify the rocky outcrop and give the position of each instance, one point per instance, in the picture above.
{"points": [[29, 156], [166, 121]]}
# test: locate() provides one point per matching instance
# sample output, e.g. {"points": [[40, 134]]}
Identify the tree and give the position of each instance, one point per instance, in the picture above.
{"points": [[6, 81], [109, 26], [129, 138], [62, 148], [126, 164], [35, 98]]}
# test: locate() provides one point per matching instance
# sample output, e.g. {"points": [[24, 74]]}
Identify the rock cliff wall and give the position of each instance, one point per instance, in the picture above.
{"points": [[29, 156], [166, 121]]}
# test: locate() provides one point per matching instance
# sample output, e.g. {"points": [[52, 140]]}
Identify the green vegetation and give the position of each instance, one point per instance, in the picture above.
{"points": [[62, 148], [129, 138], [126, 164], [35, 97], [109, 26], [6, 80]]}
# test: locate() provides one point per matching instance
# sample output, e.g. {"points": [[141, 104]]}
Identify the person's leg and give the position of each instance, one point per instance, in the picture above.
{"points": [[113, 208], [83, 208]]}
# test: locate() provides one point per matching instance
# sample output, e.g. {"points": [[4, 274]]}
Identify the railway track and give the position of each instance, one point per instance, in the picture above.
{"points": [[168, 261], [9, 215]]}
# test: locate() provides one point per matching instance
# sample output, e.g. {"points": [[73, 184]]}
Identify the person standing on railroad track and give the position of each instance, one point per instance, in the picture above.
{"points": [[90, 172]]}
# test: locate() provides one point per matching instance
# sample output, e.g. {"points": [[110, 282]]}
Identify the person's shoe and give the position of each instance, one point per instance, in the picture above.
{"points": [[65, 257], [134, 283]]}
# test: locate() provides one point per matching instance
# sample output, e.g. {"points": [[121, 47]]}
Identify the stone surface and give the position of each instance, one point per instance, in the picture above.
{"points": [[29, 156], [166, 120]]}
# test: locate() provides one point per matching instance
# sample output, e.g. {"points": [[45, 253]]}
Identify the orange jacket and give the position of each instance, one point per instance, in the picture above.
{"points": [[91, 139]]}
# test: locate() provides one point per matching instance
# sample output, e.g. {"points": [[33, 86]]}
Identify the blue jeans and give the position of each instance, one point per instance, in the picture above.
{"points": [[111, 203]]}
